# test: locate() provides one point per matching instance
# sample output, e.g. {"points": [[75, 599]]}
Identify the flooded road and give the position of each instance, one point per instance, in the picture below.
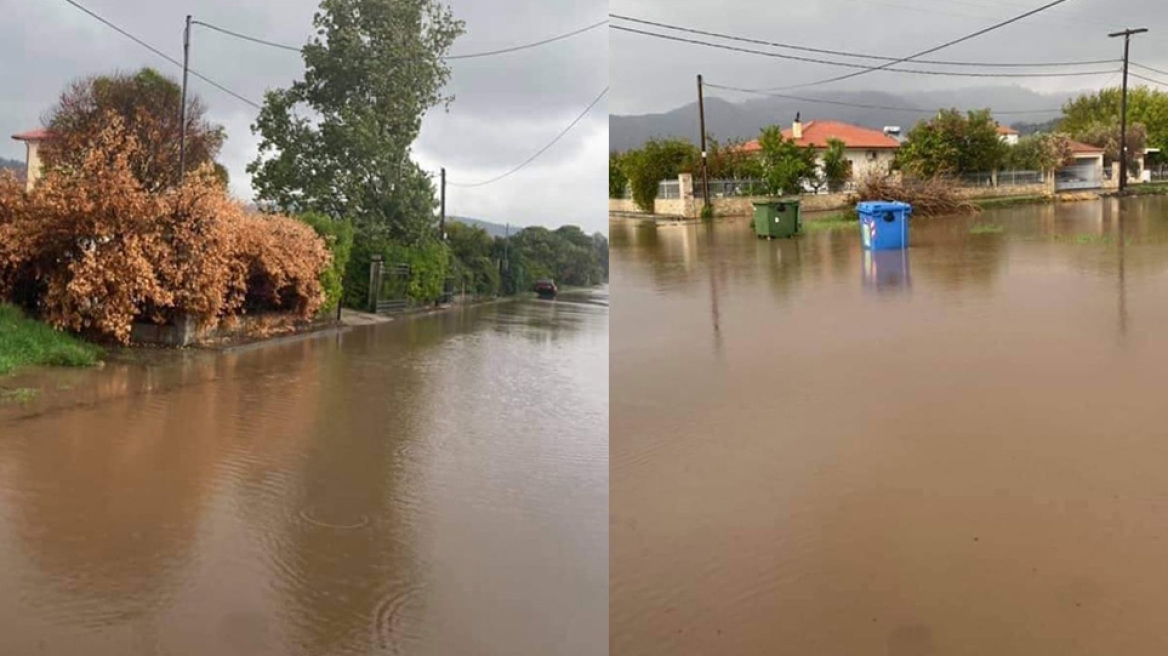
{"points": [[958, 451], [436, 485]]}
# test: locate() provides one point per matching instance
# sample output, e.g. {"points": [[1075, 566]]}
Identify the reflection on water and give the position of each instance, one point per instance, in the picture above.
{"points": [[433, 486], [952, 450], [886, 271]]}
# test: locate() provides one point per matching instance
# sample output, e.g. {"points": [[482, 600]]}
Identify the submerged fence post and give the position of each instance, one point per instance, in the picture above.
{"points": [[374, 282]]}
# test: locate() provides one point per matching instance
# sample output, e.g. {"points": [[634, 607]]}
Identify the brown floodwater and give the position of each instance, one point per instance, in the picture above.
{"points": [[433, 486], [961, 449]]}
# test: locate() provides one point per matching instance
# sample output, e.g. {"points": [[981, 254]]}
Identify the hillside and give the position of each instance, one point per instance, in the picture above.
{"points": [[725, 119], [493, 229]]}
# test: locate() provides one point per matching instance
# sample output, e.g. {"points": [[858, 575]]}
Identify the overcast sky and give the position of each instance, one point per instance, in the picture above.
{"points": [[507, 106], [663, 75]]}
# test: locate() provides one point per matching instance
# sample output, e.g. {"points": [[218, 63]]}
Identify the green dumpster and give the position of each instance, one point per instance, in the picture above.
{"points": [[777, 218]]}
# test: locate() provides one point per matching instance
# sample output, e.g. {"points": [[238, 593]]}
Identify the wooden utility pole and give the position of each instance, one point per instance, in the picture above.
{"points": [[1126, 34], [705, 168], [182, 140], [442, 216]]}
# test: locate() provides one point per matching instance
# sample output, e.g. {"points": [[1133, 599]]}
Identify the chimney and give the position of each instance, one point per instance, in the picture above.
{"points": [[892, 131], [797, 128]]}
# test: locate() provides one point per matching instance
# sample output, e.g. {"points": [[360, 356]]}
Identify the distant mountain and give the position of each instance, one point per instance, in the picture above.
{"points": [[1025, 127], [11, 164], [743, 120], [493, 229]]}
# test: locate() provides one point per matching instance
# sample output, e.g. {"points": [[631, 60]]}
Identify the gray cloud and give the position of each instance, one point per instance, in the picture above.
{"points": [[663, 74], [507, 106]]}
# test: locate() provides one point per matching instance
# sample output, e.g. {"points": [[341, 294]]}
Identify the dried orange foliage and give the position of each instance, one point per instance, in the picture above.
{"points": [[96, 251]]}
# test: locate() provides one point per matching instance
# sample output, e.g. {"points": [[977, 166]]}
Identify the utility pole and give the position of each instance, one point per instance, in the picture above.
{"points": [[705, 171], [182, 143], [1126, 34], [442, 216]]}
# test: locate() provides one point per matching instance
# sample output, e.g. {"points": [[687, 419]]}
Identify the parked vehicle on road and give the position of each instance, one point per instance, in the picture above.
{"points": [[546, 288]]}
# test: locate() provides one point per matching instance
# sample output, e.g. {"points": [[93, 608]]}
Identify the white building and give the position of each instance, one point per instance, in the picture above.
{"points": [[868, 150], [1009, 135]]}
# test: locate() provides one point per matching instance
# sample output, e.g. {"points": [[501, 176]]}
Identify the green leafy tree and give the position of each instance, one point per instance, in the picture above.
{"points": [[472, 262], [1107, 137], [372, 70], [617, 180], [1089, 113], [837, 168], [950, 143], [728, 160], [600, 246], [657, 160], [784, 166], [1040, 152]]}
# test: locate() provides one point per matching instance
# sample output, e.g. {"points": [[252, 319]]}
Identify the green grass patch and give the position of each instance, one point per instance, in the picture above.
{"points": [[838, 221], [25, 342], [20, 395], [994, 203], [986, 229], [1148, 189], [1091, 240]]}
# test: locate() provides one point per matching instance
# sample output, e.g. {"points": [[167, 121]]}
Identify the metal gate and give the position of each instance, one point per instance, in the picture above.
{"points": [[388, 286], [1077, 176]]}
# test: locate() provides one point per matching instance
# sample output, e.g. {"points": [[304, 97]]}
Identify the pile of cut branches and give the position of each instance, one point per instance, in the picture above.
{"points": [[929, 196]]}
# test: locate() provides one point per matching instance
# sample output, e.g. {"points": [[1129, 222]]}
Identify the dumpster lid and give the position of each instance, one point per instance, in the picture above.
{"points": [[873, 206]]}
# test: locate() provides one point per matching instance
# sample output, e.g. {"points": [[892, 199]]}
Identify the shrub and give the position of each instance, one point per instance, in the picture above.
{"points": [[428, 260], [338, 235], [93, 250]]}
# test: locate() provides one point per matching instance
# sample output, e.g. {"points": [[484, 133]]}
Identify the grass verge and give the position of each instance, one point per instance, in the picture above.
{"points": [[1148, 189], [25, 342], [988, 203], [986, 229], [840, 221]]}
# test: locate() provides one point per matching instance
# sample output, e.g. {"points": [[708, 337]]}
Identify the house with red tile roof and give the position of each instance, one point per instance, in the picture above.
{"points": [[1087, 170], [1008, 135], [868, 150], [32, 161]]}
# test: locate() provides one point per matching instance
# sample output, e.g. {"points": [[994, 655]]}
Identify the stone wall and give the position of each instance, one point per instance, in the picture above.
{"points": [[622, 205], [689, 207], [1038, 189], [743, 206]]}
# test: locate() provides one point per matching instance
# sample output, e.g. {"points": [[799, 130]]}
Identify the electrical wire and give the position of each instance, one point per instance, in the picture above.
{"points": [[1149, 68], [529, 45], [867, 106], [844, 53], [163, 55], [541, 151], [245, 37], [474, 55], [864, 68], [928, 51], [1148, 79]]}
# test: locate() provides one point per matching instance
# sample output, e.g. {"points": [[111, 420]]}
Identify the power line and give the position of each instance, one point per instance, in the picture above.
{"points": [[530, 45], [163, 54], [928, 51], [246, 37], [1149, 68], [541, 151], [844, 53], [474, 55], [1148, 79], [867, 106], [864, 68]]}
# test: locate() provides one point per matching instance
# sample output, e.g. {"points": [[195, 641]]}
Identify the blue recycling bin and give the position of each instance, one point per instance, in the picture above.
{"points": [[884, 224]]}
